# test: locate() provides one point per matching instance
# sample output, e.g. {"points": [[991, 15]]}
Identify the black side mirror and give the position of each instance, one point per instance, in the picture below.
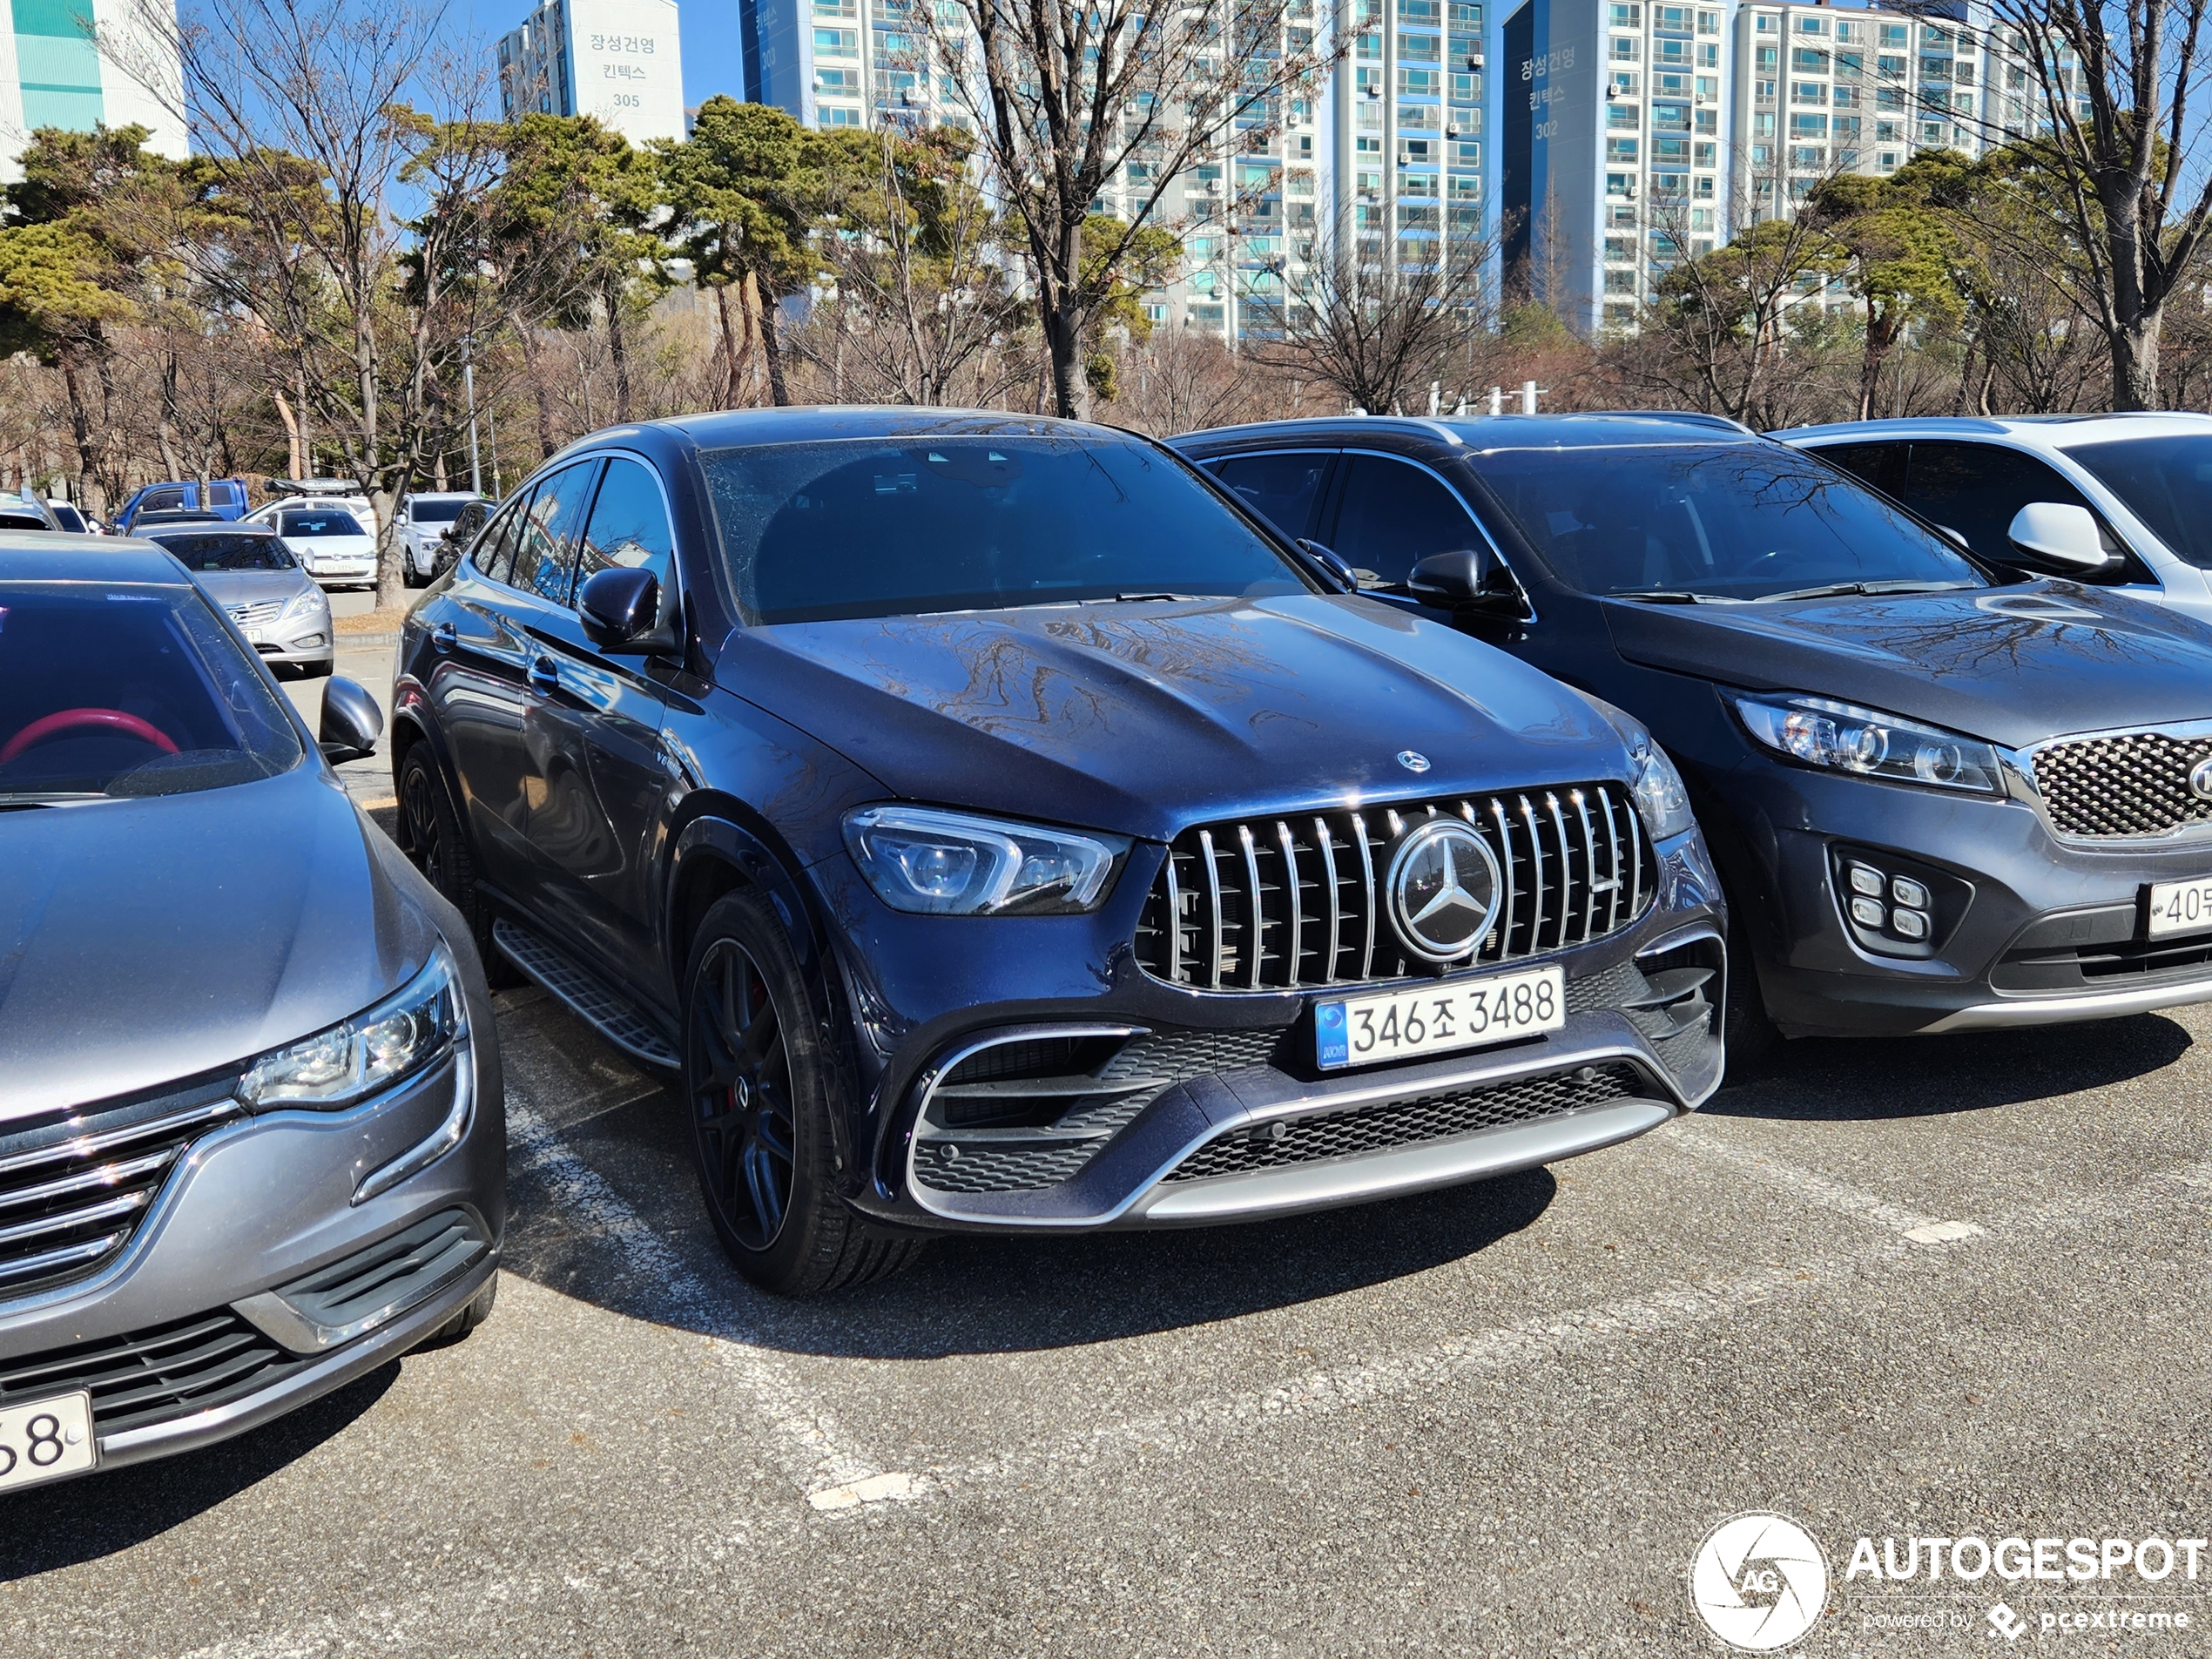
{"points": [[351, 722], [1332, 565], [1467, 581], [619, 609]]}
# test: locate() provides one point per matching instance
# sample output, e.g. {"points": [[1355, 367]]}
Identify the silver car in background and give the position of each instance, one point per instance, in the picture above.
{"points": [[252, 1135], [248, 570]]}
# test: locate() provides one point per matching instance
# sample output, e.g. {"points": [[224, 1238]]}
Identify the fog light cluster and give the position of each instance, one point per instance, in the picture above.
{"points": [[1897, 904]]}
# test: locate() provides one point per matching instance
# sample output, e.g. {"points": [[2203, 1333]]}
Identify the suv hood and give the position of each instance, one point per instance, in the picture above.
{"points": [[2013, 664], [1143, 718], [146, 941]]}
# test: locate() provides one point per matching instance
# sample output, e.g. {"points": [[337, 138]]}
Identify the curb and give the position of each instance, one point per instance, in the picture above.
{"points": [[362, 642]]}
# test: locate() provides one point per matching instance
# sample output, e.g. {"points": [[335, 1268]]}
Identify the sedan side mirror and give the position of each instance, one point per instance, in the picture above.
{"points": [[2056, 534], [620, 611], [351, 722], [1468, 580]]}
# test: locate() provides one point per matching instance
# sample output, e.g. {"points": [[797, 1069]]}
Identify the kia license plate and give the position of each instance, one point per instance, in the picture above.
{"points": [[1400, 1025], [43, 1439], [2181, 906]]}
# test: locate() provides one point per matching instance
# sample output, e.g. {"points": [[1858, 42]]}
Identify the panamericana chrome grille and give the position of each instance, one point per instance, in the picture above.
{"points": [[260, 614], [1285, 903], [2123, 784], [73, 1191]]}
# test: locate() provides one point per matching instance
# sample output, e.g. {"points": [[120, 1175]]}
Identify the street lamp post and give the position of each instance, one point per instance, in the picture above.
{"points": [[469, 385]]}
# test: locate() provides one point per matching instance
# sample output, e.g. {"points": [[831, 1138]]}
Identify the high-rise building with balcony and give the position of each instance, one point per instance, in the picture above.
{"points": [[619, 60]]}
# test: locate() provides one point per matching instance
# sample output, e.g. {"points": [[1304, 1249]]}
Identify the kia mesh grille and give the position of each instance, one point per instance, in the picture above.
{"points": [[2135, 783], [1295, 902]]}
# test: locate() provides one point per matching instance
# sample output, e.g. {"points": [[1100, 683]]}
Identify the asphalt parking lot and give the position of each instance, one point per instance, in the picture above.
{"points": [[1934, 1288]]}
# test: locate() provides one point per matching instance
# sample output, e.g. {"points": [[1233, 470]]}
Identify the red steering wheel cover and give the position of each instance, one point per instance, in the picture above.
{"points": [[129, 726]]}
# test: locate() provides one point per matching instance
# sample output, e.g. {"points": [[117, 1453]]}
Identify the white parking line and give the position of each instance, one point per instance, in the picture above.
{"points": [[831, 1475], [1815, 1188]]}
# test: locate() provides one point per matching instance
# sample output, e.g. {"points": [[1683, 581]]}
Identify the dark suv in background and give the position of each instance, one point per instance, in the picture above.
{"points": [[1944, 795], [998, 829]]}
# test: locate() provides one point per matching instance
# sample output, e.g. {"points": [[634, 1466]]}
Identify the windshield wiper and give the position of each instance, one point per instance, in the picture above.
{"points": [[1676, 596], [1838, 589], [1177, 598]]}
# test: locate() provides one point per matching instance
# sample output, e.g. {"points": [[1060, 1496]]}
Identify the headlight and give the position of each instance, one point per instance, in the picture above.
{"points": [[1661, 801], [1839, 737], [314, 602], [370, 1052], [948, 864]]}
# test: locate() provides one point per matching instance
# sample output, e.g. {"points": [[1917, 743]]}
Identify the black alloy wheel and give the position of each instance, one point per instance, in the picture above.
{"points": [[763, 1087], [741, 1108]]}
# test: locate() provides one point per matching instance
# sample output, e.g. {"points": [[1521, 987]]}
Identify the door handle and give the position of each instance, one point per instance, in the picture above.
{"points": [[544, 673], [445, 636]]}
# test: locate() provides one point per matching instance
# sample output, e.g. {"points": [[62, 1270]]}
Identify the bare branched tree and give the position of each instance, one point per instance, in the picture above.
{"points": [[1065, 97]]}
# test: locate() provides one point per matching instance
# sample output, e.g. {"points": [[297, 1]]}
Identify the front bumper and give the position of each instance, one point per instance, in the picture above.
{"points": [[2030, 930], [193, 1332], [341, 573], [1205, 1107]]}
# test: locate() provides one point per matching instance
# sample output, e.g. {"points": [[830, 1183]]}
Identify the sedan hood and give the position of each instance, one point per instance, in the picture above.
{"points": [[144, 942], [228, 587], [2015, 665], [1143, 718]]}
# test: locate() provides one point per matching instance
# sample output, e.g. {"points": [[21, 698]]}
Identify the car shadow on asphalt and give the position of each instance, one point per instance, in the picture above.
{"points": [[89, 1519], [1841, 1078]]}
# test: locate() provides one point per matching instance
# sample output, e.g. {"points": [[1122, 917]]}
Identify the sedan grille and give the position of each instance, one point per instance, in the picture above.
{"points": [[151, 1376], [260, 613], [2136, 783], [1280, 904], [73, 1191]]}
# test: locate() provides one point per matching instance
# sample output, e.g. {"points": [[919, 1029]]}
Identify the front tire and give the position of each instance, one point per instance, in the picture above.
{"points": [[761, 1089], [430, 835]]}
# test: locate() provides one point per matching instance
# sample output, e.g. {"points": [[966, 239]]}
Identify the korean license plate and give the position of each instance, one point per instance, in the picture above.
{"points": [[1400, 1024], [46, 1438], [2181, 906]]}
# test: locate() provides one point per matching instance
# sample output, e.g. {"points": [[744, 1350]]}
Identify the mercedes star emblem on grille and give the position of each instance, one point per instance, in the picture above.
{"points": [[1443, 887], [1413, 760], [2201, 780]]}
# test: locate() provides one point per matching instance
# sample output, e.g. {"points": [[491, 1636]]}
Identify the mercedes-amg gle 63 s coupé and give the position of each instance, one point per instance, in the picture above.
{"points": [[1000, 827]]}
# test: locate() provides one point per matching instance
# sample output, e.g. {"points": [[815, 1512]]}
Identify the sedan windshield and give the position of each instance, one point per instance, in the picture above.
{"points": [[232, 552], [1688, 522], [881, 528], [2167, 482], [299, 523], [124, 690]]}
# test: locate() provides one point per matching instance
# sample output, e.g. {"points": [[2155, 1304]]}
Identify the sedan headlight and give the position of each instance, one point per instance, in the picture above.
{"points": [[950, 864], [404, 1034], [1841, 737]]}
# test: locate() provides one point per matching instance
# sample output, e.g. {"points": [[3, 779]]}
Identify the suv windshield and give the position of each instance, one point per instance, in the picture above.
{"points": [[877, 528], [1713, 522], [230, 552], [328, 523], [435, 512], [128, 691], [2167, 482]]}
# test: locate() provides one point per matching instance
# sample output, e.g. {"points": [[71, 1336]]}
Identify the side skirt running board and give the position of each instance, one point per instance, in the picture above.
{"points": [[613, 1015]]}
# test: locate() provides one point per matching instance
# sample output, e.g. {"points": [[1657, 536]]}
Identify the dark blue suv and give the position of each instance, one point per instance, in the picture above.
{"points": [[1944, 794], [998, 827]]}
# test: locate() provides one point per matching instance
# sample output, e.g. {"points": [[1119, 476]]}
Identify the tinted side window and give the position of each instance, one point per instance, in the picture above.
{"points": [[495, 554], [547, 532], [1880, 464], [1281, 488], [1394, 513], [629, 525], [1975, 489]]}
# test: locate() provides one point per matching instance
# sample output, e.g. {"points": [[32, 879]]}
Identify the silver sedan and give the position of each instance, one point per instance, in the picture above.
{"points": [[250, 572]]}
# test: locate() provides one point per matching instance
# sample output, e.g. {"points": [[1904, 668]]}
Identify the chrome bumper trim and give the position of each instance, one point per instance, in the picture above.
{"points": [[1414, 1168], [2075, 1005]]}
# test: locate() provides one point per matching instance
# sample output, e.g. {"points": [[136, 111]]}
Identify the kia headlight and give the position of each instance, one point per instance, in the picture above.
{"points": [[1839, 737], [938, 863], [405, 1034]]}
